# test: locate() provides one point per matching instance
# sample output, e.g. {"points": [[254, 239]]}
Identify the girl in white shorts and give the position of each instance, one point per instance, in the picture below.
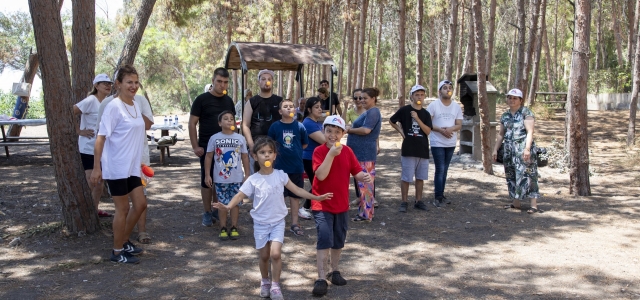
{"points": [[268, 213]]}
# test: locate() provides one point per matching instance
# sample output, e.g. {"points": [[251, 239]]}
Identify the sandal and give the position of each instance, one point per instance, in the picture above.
{"points": [[534, 210], [296, 230], [144, 238], [104, 214], [510, 206], [358, 218]]}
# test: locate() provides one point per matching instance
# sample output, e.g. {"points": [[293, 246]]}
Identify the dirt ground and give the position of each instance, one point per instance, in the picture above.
{"points": [[585, 247]]}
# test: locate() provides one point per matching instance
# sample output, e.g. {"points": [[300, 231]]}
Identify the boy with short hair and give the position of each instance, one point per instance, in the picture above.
{"points": [[416, 126], [228, 148], [291, 137], [333, 164]]}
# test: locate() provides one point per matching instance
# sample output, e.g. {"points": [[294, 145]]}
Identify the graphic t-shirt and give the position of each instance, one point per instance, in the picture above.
{"points": [[416, 142], [311, 126], [365, 147], [265, 113], [268, 196], [207, 107], [444, 116], [289, 138], [227, 157], [88, 120], [337, 181]]}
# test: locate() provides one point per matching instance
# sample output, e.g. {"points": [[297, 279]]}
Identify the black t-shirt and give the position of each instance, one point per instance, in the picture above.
{"points": [[207, 107], [334, 101], [416, 142], [265, 112]]}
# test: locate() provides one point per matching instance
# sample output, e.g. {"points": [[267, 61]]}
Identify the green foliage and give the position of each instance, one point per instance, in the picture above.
{"points": [[613, 80], [8, 103], [16, 40]]}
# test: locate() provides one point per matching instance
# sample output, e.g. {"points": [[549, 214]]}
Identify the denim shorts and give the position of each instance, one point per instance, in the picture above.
{"points": [[264, 233], [332, 229]]}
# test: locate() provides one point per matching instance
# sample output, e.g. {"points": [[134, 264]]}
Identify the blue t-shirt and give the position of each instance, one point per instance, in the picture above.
{"points": [[365, 147], [289, 138], [311, 126]]}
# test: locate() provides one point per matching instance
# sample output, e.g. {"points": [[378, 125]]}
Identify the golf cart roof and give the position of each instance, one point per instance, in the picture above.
{"points": [[286, 57]]}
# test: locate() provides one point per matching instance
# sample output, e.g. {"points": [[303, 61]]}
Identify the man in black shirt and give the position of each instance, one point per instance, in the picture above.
{"points": [[204, 111], [261, 111], [416, 126], [334, 98]]}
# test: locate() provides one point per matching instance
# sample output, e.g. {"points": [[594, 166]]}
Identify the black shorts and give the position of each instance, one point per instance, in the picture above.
{"points": [[331, 228], [202, 184], [87, 161], [297, 180], [124, 186]]}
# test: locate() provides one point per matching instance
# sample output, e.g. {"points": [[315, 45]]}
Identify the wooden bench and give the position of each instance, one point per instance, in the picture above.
{"points": [[559, 95], [22, 141]]}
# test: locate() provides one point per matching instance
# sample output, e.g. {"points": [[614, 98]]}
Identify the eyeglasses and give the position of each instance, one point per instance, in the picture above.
{"points": [[106, 83]]}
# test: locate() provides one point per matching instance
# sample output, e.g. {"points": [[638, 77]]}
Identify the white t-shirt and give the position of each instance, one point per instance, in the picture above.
{"points": [[227, 150], [145, 108], [268, 197], [443, 116], [88, 120], [123, 128]]}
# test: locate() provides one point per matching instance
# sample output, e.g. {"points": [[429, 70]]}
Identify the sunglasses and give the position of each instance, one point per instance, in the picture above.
{"points": [[357, 98]]}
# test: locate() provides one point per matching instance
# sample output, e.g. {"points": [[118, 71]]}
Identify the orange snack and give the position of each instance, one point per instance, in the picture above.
{"points": [[290, 114], [233, 127], [224, 92], [337, 144], [418, 102], [147, 171], [267, 164]]}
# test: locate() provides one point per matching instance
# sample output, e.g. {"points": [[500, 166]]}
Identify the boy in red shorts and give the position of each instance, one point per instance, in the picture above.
{"points": [[333, 165]]}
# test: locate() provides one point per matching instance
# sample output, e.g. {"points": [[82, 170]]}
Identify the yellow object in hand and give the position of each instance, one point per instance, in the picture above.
{"points": [[267, 164], [337, 144], [224, 92], [290, 114], [418, 102], [233, 128]]}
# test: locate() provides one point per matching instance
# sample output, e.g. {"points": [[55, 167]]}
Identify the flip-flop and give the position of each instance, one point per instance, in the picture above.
{"points": [[534, 210], [510, 206], [296, 230]]}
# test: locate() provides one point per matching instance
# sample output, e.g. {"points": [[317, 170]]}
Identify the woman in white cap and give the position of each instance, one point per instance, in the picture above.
{"points": [[87, 109], [520, 158]]}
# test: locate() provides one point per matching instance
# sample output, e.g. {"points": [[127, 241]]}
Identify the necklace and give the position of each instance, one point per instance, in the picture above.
{"points": [[134, 109]]}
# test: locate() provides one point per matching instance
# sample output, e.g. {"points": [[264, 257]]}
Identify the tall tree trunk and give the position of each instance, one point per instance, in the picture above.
{"points": [[376, 67], [491, 37], [73, 191], [513, 46], [451, 41], [363, 32], [419, 67], [356, 58], [631, 133], [533, 87], [533, 25], [367, 52], [632, 17], [280, 40], [599, 52], [402, 53], [343, 47], [234, 75], [577, 102], [461, 39], [469, 55], [432, 52], [616, 33], [483, 100], [350, 50], [520, 54], [136, 30], [294, 40], [549, 64], [83, 48]]}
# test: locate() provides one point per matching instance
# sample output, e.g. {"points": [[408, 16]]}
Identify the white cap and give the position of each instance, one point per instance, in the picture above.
{"points": [[102, 78], [207, 87], [265, 71], [334, 120], [515, 92], [416, 88], [443, 83]]}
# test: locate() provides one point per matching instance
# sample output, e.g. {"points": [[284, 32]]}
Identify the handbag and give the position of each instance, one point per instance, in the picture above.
{"points": [[22, 89]]}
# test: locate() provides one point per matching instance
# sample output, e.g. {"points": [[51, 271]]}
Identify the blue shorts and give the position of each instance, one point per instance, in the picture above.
{"points": [[226, 191], [264, 233], [332, 229]]}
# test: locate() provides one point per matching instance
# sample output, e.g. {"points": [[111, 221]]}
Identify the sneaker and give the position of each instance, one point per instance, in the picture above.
{"points": [[320, 287], [130, 248], [124, 257], [303, 213], [447, 201], [214, 214], [276, 293], [336, 278], [420, 205], [436, 202], [223, 234], [265, 290], [206, 219], [234, 233], [403, 207]]}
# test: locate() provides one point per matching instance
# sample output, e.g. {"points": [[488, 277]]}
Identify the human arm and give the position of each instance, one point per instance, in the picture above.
{"points": [[304, 194], [529, 123], [236, 199], [448, 131], [363, 177], [207, 169], [96, 174], [323, 170], [425, 128], [499, 138], [372, 119], [359, 130], [245, 165], [246, 123], [82, 132], [318, 137], [193, 136], [397, 128]]}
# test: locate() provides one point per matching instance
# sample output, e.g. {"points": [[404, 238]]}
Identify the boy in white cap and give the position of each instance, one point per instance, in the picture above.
{"points": [[415, 129], [333, 164], [446, 118]]}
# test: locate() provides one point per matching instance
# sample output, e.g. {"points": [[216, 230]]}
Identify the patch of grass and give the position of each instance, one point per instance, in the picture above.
{"points": [[542, 111]]}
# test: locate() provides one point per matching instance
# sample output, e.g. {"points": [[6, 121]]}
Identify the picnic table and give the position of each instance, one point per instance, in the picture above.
{"points": [[164, 131], [30, 141], [561, 98]]}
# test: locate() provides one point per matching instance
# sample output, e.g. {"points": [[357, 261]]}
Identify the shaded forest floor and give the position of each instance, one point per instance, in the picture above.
{"points": [[585, 247]]}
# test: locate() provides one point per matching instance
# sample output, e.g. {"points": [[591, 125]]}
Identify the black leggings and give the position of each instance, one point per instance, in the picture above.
{"points": [[308, 168]]}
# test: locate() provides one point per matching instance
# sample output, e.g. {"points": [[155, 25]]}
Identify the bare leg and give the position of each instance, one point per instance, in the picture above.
{"points": [[223, 218], [120, 220], [404, 189], [263, 255], [419, 184], [96, 190], [516, 203], [207, 195], [295, 205], [534, 203], [139, 205], [234, 216], [276, 261], [321, 259], [335, 258]]}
